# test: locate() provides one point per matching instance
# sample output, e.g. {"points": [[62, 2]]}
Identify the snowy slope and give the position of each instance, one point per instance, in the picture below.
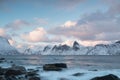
{"points": [[77, 49], [101, 49], [6, 48]]}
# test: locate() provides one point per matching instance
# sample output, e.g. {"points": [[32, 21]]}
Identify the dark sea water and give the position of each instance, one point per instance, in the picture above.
{"points": [[107, 62]]}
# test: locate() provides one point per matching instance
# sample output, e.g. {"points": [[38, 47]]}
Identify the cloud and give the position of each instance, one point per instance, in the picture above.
{"points": [[114, 6], [55, 38], [17, 24], [96, 26], [37, 35], [93, 43], [40, 35], [4, 34], [68, 42], [69, 24]]}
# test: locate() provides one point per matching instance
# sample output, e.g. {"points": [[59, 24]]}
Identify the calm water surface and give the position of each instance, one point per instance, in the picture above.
{"points": [[72, 61]]}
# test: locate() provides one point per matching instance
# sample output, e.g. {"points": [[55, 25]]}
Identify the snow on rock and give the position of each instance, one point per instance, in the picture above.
{"points": [[77, 49], [109, 49], [76, 46], [6, 48]]}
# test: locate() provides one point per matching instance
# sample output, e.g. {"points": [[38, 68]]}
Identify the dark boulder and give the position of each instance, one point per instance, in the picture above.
{"points": [[78, 74], [2, 78], [2, 60], [18, 73], [93, 70], [51, 68], [14, 71], [54, 67], [63, 79], [29, 74], [11, 72], [3, 70], [61, 65], [34, 78], [21, 68], [107, 77]]}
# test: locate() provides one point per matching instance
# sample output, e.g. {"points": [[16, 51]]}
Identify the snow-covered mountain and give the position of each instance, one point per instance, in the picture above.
{"points": [[102, 49], [29, 51], [6, 48], [77, 49]]}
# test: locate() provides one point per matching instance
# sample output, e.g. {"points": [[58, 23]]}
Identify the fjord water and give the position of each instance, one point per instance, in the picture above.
{"points": [[89, 66], [80, 61]]}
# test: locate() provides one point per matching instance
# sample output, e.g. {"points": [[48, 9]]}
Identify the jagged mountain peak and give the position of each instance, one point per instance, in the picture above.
{"points": [[75, 43], [6, 48], [77, 49], [46, 48], [76, 46], [61, 47]]}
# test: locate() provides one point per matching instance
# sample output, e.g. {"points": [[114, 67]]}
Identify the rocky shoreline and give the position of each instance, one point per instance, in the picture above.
{"points": [[17, 72]]}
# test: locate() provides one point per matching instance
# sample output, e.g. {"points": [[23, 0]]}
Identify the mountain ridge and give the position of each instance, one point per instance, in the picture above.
{"points": [[6, 48], [75, 49]]}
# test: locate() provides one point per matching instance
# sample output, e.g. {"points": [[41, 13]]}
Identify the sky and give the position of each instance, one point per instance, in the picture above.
{"points": [[45, 22]]}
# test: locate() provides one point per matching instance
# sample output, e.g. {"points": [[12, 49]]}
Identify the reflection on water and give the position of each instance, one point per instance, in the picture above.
{"points": [[72, 61]]}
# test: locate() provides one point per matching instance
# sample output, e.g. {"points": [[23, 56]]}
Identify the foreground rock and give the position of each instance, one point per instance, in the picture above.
{"points": [[78, 74], [107, 77], [18, 73], [34, 78], [31, 73], [2, 60], [54, 67]]}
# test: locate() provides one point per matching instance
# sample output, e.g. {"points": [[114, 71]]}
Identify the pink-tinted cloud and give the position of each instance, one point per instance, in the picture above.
{"points": [[37, 35], [69, 24], [40, 35], [4, 34]]}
